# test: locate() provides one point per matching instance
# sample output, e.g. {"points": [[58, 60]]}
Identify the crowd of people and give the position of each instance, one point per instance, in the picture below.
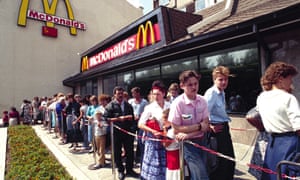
{"points": [[169, 117]]}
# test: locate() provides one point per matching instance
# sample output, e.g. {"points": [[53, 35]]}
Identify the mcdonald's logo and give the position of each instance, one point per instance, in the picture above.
{"points": [[49, 16], [84, 64], [147, 34]]}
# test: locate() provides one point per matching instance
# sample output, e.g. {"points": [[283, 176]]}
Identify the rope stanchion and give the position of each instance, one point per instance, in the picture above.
{"points": [[113, 149], [269, 171], [181, 160]]}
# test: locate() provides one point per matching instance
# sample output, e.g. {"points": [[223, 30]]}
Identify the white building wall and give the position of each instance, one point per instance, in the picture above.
{"points": [[35, 65]]}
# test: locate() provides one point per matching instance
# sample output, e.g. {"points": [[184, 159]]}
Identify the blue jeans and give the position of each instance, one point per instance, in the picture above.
{"points": [[85, 136], [196, 160]]}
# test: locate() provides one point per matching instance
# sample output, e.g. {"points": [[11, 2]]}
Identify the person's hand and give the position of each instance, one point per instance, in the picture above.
{"points": [[156, 133], [181, 136], [216, 128]]}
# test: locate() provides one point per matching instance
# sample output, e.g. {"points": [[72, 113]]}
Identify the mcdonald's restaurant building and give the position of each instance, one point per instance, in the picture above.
{"points": [[244, 35], [240, 34]]}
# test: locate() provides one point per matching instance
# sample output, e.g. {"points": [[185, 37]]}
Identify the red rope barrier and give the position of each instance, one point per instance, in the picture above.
{"points": [[253, 166]]}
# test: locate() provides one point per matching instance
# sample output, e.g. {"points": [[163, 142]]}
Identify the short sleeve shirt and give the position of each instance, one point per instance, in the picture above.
{"points": [[153, 110], [188, 112]]}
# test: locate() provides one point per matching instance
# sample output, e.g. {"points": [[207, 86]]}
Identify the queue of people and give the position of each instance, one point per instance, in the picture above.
{"points": [[170, 117]]}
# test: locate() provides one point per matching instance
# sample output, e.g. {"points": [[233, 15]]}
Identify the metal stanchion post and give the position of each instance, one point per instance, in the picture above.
{"points": [[181, 160], [112, 150]]}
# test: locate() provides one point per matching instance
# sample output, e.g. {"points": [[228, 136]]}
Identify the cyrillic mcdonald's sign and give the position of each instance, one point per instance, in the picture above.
{"points": [[147, 34], [49, 17]]}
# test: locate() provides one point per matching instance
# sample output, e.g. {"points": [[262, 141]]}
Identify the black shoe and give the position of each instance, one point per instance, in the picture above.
{"points": [[121, 176], [71, 146], [91, 151], [132, 174]]}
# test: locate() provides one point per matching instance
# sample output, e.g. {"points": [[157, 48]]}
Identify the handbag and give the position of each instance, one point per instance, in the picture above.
{"points": [[254, 118]]}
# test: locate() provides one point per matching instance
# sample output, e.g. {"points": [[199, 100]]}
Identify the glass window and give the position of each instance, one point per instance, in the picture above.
{"points": [[89, 87], [144, 78], [95, 87], [109, 82], [125, 80], [148, 72], [164, 2], [83, 91], [199, 4], [285, 46], [171, 70], [243, 63]]}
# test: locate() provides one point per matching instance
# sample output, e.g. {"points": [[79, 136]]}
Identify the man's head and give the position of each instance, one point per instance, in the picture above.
{"points": [[189, 83], [220, 77], [118, 93], [135, 92]]}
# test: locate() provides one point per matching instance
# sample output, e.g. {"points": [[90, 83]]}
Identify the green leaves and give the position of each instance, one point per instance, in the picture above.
{"points": [[28, 158]]}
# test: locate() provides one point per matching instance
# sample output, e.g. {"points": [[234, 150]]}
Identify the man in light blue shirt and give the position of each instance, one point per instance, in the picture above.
{"points": [[219, 119]]}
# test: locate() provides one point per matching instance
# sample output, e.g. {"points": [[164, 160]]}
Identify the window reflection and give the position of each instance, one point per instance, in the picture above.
{"points": [[243, 63], [109, 82], [148, 72], [125, 80]]}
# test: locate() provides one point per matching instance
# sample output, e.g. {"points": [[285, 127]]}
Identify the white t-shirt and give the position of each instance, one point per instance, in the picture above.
{"points": [[153, 110], [279, 110]]}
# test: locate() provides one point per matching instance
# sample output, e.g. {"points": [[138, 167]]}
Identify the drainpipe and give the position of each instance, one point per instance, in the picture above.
{"points": [[226, 12]]}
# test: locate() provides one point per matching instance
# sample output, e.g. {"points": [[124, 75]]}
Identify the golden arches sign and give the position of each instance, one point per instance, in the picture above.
{"points": [[84, 64], [49, 9], [143, 31]]}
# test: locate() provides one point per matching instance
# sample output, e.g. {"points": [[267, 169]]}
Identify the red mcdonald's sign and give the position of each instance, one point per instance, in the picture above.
{"points": [[146, 35]]}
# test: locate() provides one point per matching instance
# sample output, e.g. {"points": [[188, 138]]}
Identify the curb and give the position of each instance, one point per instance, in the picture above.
{"points": [[3, 144]]}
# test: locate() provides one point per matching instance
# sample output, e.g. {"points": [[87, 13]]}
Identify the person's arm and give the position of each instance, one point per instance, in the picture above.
{"points": [[202, 126]]}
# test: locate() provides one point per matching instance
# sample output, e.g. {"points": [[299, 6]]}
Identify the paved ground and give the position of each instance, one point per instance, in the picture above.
{"points": [[77, 164]]}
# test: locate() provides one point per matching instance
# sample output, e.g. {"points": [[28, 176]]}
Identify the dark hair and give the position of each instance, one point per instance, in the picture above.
{"points": [[274, 72], [84, 101], [136, 89], [185, 75], [118, 88], [159, 85], [13, 109], [70, 95]]}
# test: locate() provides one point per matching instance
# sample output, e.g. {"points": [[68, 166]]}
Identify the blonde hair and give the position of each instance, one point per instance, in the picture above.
{"points": [[220, 70]]}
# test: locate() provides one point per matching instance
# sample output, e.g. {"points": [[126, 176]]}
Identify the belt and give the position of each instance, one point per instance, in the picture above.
{"points": [[219, 123], [283, 134]]}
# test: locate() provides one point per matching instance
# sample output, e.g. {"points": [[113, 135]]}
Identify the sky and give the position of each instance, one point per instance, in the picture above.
{"points": [[146, 4]]}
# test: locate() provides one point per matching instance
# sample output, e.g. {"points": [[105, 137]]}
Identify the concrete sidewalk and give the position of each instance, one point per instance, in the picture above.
{"points": [[77, 164]]}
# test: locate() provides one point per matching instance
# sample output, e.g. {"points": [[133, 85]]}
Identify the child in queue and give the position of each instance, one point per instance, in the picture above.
{"points": [[172, 149], [100, 131]]}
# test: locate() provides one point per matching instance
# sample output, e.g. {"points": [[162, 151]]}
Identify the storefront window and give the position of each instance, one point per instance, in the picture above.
{"points": [[83, 89], [95, 87], [243, 63], [125, 80], [109, 82], [285, 46], [145, 76], [171, 70]]}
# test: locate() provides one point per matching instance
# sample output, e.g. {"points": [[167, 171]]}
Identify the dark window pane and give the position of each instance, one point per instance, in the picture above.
{"points": [[243, 63], [109, 82]]}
